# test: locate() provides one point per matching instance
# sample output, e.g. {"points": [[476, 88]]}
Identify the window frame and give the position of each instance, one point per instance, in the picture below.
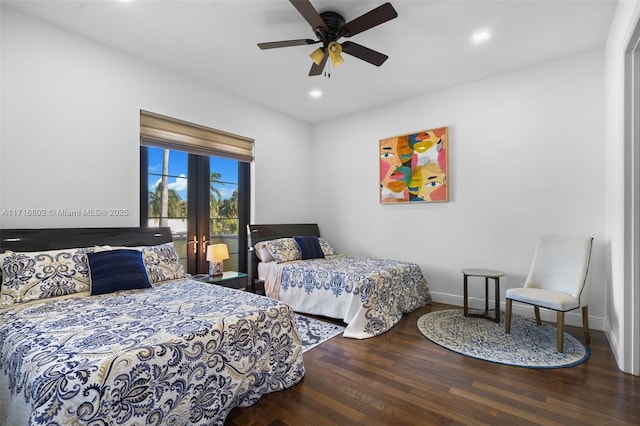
{"points": [[174, 134]]}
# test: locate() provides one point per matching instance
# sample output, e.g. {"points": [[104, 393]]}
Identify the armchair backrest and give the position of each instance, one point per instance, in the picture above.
{"points": [[561, 262]]}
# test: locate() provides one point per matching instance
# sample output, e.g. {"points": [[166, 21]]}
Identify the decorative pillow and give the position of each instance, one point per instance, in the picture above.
{"points": [[38, 275], [115, 270], [326, 247], [262, 253], [309, 247], [162, 262], [283, 249]]}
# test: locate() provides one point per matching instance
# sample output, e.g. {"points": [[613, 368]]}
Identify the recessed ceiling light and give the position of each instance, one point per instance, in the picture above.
{"points": [[480, 36], [315, 93]]}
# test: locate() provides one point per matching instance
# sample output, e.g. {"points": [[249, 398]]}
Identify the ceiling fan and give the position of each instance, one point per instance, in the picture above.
{"points": [[329, 27]]}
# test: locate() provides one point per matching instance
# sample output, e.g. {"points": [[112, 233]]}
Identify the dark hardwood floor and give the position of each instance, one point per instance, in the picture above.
{"points": [[401, 378]]}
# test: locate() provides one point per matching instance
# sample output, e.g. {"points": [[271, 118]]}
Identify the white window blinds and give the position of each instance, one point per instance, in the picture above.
{"points": [[167, 132]]}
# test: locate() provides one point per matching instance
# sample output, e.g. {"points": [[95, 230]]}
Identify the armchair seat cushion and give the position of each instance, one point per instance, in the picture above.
{"points": [[550, 299]]}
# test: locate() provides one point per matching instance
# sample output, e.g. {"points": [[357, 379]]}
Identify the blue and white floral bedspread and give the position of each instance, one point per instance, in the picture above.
{"points": [[181, 353], [368, 294]]}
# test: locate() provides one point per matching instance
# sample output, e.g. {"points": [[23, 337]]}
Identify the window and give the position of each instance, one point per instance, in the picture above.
{"points": [[204, 199]]}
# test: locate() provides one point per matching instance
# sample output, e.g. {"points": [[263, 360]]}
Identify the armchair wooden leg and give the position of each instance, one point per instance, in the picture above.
{"points": [[507, 317], [536, 309], [585, 324], [560, 337]]}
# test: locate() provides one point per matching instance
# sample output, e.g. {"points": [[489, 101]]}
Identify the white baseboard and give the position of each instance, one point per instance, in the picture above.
{"points": [[573, 318]]}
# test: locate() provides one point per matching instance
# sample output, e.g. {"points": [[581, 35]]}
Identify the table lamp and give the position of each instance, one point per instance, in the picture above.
{"points": [[216, 254]]}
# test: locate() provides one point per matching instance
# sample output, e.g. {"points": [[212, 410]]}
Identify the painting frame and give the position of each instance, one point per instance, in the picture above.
{"points": [[414, 167]]}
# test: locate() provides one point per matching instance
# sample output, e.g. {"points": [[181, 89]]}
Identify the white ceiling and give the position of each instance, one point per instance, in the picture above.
{"points": [[428, 44]]}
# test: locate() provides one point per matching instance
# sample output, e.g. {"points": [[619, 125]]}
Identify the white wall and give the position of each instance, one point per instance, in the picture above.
{"points": [[70, 130], [620, 307], [526, 157]]}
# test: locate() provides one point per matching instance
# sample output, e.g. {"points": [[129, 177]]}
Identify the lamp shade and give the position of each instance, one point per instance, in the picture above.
{"points": [[217, 252], [317, 55], [335, 53]]}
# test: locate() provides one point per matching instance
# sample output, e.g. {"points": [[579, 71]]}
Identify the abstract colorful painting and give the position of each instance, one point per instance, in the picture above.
{"points": [[414, 167]]}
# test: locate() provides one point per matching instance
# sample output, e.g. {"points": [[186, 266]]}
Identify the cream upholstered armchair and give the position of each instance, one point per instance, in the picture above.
{"points": [[557, 280]]}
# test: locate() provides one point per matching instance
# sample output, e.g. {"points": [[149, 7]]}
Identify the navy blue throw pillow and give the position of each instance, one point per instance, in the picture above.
{"points": [[116, 270], [309, 247]]}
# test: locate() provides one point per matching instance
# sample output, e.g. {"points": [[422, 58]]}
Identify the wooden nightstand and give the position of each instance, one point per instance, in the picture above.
{"points": [[231, 279]]}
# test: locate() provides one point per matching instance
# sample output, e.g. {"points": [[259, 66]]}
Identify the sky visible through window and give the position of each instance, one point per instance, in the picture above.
{"points": [[227, 168]]}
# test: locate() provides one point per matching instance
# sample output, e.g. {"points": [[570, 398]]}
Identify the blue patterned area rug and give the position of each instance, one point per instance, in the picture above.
{"points": [[527, 345], [313, 332]]}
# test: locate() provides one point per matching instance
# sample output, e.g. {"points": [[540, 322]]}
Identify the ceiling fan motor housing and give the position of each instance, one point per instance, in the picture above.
{"points": [[334, 21]]}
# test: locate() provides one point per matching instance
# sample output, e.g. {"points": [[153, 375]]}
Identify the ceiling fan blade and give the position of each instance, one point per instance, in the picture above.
{"points": [[364, 53], [377, 16], [310, 14], [317, 69], [287, 43]]}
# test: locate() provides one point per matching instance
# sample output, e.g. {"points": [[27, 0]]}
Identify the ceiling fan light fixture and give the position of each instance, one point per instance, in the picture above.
{"points": [[317, 56], [335, 53]]}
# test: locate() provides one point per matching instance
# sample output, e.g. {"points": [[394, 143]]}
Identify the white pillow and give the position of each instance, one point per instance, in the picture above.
{"points": [[326, 247], [38, 275], [283, 249], [162, 263], [262, 253]]}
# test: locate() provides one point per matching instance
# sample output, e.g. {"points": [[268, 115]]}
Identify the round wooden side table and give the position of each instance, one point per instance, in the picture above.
{"points": [[486, 274]]}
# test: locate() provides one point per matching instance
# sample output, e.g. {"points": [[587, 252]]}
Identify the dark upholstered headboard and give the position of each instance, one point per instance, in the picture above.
{"points": [[60, 238], [259, 233]]}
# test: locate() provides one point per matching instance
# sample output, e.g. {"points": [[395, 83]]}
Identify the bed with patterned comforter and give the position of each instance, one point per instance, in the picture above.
{"points": [[180, 353], [368, 294]]}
